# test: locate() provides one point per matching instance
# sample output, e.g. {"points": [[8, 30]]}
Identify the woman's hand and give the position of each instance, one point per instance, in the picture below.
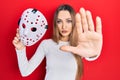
{"points": [[17, 43], [89, 38]]}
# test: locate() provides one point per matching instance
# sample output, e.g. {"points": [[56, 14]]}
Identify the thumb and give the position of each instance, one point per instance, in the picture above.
{"points": [[68, 49]]}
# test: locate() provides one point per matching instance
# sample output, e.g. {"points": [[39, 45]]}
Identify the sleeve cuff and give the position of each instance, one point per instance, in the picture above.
{"points": [[20, 52], [92, 59]]}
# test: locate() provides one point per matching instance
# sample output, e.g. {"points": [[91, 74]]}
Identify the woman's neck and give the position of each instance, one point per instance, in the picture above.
{"points": [[64, 39]]}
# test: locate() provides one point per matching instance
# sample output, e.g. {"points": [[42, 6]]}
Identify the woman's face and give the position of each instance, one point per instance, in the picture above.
{"points": [[64, 23]]}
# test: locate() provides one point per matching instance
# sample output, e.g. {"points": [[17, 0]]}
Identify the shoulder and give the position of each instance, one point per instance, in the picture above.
{"points": [[48, 42]]}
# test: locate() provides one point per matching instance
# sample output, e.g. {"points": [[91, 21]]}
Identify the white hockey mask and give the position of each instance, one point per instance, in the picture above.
{"points": [[32, 26]]}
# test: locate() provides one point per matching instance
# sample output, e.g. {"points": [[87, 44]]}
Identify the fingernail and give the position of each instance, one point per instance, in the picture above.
{"points": [[77, 14], [82, 9], [98, 18], [88, 12]]}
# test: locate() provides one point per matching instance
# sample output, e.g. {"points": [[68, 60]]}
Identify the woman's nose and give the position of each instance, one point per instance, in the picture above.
{"points": [[64, 25]]}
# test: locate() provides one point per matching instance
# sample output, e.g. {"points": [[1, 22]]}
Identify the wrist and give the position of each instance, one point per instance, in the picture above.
{"points": [[20, 48]]}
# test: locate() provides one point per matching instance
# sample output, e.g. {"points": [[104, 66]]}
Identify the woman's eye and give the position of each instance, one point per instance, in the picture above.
{"points": [[33, 29], [23, 25], [69, 21], [58, 21]]}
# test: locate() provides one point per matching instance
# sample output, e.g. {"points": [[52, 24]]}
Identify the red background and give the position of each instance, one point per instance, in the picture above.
{"points": [[107, 67]]}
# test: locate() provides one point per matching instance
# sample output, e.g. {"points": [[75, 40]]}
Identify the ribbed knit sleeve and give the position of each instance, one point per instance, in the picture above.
{"points": [[27, 67]]}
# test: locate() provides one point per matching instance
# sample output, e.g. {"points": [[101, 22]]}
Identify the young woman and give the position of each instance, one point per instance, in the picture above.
{"points": [[74, 37]]}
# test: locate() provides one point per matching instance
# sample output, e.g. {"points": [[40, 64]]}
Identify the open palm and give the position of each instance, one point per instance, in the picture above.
{"points": [[89, 38]]}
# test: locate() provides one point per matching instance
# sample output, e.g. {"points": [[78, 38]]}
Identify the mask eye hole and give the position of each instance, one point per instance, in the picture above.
{"points": [[23, 25], [33, 29]]}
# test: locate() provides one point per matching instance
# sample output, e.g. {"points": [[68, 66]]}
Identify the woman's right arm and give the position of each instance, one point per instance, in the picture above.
{"points": [[27, 67]]}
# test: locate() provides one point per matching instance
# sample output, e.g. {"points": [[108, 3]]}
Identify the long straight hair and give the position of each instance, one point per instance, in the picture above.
{"points": [[73, 38]]}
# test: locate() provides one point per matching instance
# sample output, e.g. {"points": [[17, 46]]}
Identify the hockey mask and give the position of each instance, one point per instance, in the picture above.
{"points": [[32, 26]]}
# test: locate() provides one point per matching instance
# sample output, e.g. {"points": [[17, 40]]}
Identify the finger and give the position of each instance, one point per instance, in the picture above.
{"points": [[17, 35], [90, 21], [78, 23], [17, 30], [16, 39], [98, 25], [84, 20]]}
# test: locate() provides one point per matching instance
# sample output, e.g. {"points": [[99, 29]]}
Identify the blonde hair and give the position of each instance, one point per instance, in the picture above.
{"points": [[72, 38]]}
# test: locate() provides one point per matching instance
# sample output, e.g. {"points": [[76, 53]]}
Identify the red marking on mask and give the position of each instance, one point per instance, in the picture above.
{"points": [[23, 25], [27, 11], [36, 19], [38, 15], [37, 35]]}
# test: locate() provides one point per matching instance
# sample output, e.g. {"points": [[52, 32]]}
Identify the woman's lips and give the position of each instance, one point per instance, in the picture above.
{"points": [[64, 31]]}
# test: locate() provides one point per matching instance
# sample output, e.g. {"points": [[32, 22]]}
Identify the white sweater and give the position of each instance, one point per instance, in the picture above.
{"points": [[59, 65]]}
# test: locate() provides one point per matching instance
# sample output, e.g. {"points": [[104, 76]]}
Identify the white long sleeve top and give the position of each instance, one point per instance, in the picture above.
{"points": [[60, 65]]}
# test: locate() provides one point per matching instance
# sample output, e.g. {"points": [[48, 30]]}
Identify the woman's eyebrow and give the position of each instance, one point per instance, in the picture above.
{"points": [[69, 18], [65, 19]]}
